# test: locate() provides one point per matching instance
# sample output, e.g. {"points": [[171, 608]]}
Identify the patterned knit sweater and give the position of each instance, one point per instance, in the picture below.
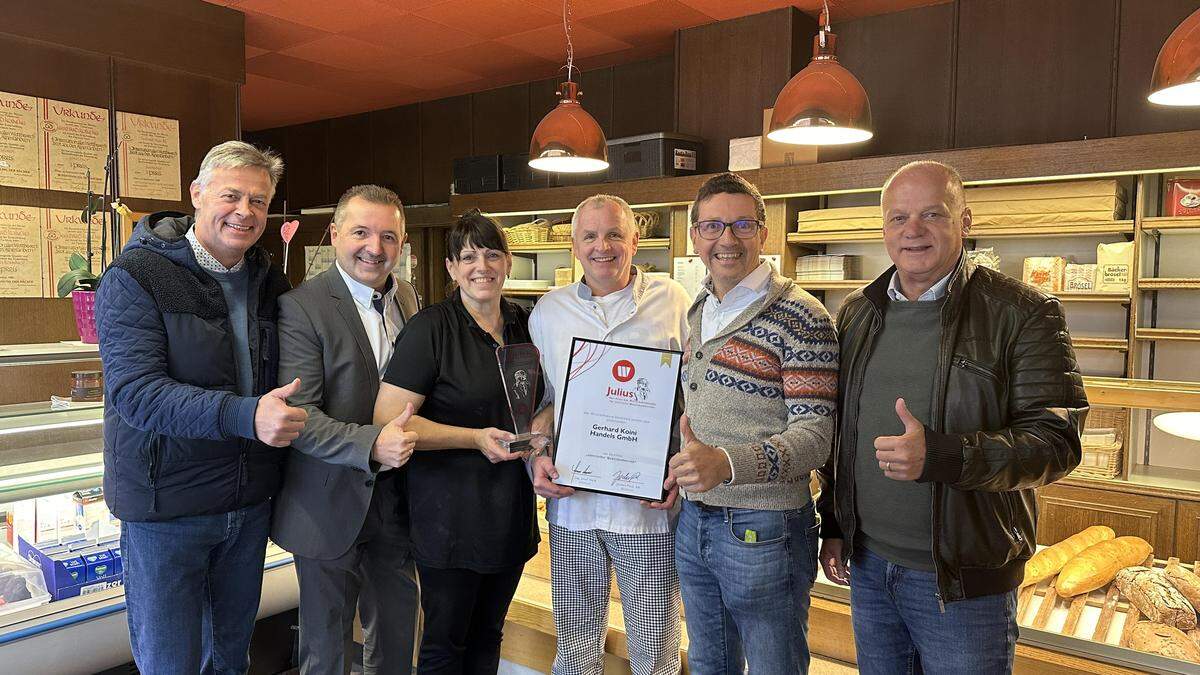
{"points": [[765, 390]]}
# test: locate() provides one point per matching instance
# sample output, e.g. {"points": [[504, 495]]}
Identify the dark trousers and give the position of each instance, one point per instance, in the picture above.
{"points": [[464, 619], [376, 576]]}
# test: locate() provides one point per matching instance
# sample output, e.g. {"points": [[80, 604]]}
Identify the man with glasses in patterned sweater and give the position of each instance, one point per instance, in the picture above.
{"points": [[760, 388]]}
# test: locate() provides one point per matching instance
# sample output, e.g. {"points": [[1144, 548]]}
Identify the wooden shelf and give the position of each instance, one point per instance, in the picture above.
{"points": [[1156, 394], [565, 246], [1179, 334], [1086, 229], [1167, 283], [832, 284], [526, 292], [1100, 343], [1088, 296], [1171, 223], [69, 351]]}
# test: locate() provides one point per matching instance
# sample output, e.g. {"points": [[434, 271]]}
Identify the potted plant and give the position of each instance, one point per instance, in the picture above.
{"points": [[80, 282]]}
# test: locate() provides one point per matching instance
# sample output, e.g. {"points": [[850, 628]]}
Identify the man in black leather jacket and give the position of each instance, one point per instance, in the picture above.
{"points": [[959, 395]]}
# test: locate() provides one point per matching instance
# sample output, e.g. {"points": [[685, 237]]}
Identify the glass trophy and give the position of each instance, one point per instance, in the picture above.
{"points": [[519, 371]]}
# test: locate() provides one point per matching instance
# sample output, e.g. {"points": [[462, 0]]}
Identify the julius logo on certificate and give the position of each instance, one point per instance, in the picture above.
{"points": [[616, 417]]}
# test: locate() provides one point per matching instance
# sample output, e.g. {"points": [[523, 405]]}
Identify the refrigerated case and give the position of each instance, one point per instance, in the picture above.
{"points": [[46, 452]]}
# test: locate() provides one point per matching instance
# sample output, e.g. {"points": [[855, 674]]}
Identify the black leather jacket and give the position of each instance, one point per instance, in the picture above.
{"points": [[1008, 406]]}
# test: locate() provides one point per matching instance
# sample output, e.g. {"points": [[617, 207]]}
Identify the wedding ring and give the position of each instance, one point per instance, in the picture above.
{"points": [[887, 467]]}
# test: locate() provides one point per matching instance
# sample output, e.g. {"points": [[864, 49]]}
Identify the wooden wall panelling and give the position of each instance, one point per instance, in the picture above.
{"points": [[350, 154], [500, 120], [274, 139], [1187, 531], [149, 90], [215, 35], [445, 134], [1144, 28], [1031, 71], [396, 151], [644, 97], [909, 81], [727, 72], [1065, 510], [307, 165], [50, 71]]}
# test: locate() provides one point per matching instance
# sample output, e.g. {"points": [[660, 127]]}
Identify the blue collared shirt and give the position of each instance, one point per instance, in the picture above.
{"points": [[935, 291]]}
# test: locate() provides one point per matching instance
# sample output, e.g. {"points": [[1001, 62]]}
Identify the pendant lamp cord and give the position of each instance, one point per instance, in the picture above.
{"points": [[824, 22], [567, 31]]}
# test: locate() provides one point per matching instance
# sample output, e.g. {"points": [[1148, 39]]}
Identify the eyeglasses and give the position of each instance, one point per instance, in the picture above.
{"points": [[713, 229]]}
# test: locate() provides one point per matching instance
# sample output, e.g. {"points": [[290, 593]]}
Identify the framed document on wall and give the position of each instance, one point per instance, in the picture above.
{"points": [[616, 417]]}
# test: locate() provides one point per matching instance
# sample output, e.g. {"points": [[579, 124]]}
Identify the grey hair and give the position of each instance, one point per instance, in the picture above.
{"points": [[376, 194], [600, 200], [954, 181], [238, 154], [727, 183]]}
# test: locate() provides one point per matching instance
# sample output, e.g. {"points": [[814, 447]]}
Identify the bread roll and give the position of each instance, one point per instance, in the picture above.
{"points": [[1097, 564], [1049, 561], [1152, 593], [1161, 639], [1187, 582]]}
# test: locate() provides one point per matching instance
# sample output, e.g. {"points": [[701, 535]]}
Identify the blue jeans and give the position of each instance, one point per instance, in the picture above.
{"points": [[192, 587], [746, 603], [899, 627]]}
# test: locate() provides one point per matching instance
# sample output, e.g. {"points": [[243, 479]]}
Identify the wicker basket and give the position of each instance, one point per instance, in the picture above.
{"points": [[647, 223], [528, 233], [560, 232], [563, 276], [1104, 461]]}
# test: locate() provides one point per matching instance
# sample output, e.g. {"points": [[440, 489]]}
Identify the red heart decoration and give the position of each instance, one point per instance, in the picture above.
{"points": [[288, 230]]}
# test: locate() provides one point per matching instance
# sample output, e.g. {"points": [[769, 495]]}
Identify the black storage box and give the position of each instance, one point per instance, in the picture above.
{"points": [[476, 174], [653, 155], [516, 174]]}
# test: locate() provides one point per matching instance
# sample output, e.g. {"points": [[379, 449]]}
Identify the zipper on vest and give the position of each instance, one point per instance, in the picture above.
{"points": [[155, 465]]}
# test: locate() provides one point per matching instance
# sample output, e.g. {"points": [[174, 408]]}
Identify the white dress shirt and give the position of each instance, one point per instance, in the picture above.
{"points": [[648, 312], [381, 330], [720, 313]]}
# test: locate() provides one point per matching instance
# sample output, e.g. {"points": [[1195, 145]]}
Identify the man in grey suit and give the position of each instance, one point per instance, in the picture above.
{"points": [[343, 509]]}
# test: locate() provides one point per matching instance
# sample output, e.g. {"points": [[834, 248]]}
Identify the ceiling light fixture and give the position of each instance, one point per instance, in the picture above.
{"points": [[1176, 78], [568, 139], [824, 104]]}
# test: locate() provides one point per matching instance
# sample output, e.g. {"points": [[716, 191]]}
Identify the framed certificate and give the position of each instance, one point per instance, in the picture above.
{"points": [[615, 419]]}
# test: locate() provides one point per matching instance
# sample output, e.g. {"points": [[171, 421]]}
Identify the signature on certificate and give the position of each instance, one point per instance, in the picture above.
{"points": [[625, 476], [580, 469]]}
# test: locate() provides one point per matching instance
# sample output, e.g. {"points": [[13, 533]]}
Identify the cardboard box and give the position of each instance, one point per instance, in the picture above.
{"points": [[1182, 197], [783, 154], [76, 572]]}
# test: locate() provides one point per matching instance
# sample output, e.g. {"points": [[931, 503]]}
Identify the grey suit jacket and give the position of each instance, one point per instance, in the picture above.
{"points": [[329, 477]]}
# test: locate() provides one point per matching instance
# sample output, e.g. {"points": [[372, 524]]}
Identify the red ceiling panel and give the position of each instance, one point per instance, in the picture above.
{"points": [[313, 59]]}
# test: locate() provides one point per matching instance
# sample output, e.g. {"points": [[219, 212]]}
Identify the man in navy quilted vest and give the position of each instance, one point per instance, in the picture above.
{"points": [[195, 426]]}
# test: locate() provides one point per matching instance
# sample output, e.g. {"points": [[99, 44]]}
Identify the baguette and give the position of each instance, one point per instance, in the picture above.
{"points": [[1049, 561], [1152, 593], [1161, 639], [1187, 582], [1099, 563]]}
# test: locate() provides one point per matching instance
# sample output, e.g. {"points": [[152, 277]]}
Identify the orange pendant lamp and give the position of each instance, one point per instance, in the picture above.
{"points": [[1176, 78], [824, 104], [568, 139]]}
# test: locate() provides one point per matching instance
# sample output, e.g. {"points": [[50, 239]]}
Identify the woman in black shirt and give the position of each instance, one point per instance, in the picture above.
{"points": [[470, 501]]}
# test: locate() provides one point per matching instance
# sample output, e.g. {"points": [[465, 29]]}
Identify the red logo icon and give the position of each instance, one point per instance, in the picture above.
{"points": [[623, 370]]}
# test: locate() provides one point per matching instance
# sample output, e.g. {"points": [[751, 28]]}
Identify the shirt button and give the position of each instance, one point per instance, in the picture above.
{"points": [[693, 386], [699, 355], [370, 482]]}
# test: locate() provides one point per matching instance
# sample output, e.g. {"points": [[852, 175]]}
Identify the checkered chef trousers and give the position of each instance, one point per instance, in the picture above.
{"points": [[581, 568]]}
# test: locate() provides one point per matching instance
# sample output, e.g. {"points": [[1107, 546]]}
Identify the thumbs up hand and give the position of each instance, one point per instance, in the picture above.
{"points": [[902, 457], [394, 446], [275, 422], [697, 467]]}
